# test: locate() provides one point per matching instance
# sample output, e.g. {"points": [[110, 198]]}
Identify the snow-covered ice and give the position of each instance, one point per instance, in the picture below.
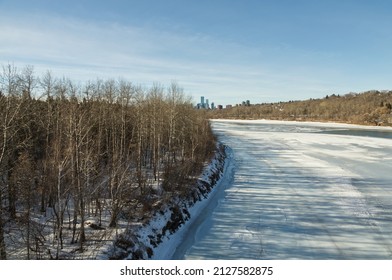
{"points": [[297, 191]]}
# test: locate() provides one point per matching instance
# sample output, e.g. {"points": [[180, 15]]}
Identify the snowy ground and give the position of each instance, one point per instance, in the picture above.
{"points": [[297, 191], [142, 235], [165, 230]]}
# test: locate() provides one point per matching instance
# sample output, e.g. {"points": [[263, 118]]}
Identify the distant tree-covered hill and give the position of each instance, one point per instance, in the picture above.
{"points": [[368, 108]]}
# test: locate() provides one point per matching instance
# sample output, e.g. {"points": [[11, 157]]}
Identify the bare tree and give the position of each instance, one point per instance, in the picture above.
{"points": [[10, 106], [79, 150]]}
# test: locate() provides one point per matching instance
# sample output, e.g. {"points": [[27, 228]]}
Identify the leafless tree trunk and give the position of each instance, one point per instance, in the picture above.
{"points": [[3, 254], [108, 143]]}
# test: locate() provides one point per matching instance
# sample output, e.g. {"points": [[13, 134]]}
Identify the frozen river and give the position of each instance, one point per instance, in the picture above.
{"points": [[298, 191]]}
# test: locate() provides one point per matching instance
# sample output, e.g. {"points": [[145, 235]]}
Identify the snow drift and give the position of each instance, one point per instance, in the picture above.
{"points": [[158, 238]]}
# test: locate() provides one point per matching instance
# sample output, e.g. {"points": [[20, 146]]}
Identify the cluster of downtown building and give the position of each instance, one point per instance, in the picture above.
{"points": [[204, 104]]}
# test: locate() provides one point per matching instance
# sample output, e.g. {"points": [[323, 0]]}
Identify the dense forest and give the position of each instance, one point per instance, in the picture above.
{"points": [[70, 151], [368, 108]]}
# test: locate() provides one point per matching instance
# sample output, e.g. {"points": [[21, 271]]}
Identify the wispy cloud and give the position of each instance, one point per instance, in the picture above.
{"points": [[84, 50]]}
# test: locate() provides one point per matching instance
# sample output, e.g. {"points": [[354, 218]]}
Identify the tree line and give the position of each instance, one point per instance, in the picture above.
{"points": [[368, 108], [106, 149]]}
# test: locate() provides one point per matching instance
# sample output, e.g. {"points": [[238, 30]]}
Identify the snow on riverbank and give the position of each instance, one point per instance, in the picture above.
{"points": [[307, 124], [166, 249], [164, 232]]}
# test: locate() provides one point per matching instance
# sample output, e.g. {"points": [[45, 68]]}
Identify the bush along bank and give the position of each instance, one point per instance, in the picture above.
{"points": [[149, 239]]}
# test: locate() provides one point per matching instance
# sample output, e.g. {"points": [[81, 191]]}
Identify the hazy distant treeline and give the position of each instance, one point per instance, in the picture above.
{"points": [[80, 149], [370, 108]]}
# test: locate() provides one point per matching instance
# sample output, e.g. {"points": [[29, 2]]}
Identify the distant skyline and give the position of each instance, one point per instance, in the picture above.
{"points": [[230, 51]]}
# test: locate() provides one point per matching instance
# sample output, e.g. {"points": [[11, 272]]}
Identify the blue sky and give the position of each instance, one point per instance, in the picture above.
{"points": [[227, 51]]}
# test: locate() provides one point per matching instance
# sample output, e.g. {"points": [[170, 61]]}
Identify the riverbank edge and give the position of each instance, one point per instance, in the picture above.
{"points": [[158, 238], [343, 125]]}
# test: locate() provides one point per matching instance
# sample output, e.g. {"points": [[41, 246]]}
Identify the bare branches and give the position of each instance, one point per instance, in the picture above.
{"points": [[100, 154]]}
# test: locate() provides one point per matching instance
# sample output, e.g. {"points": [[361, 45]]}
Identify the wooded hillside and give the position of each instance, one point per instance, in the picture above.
{"points": [[69, 152], [369, 108]]}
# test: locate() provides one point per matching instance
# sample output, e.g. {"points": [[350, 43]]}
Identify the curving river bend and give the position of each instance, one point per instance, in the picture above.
{"points": [[298, 191]]}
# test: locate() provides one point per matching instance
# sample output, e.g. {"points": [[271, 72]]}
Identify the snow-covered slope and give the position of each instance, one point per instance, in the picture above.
{"points": [[158, 238]]}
